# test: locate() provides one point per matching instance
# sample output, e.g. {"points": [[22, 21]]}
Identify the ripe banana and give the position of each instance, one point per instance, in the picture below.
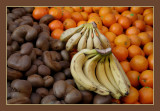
{"points": [[96, 42], [83, 41], [103, 39], [76, 70], [90, 40], [122, 71], [109, 74], [120, 81], [74, 40], [79, 86], [89, 70], [70, 32], [103, 79]]}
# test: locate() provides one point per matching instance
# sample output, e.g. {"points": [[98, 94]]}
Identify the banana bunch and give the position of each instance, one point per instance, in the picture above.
{"points": [[99, 71], [85, 36]]}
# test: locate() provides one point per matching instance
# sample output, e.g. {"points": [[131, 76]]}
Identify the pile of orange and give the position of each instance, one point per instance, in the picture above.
{"points": [[130, 32]]}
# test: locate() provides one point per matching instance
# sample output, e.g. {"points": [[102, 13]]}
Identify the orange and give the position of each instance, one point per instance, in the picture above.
{"points": [[65, 14], [116, 101], [120, 52], [55, 24], [69, 23], [124, 21], [115, 12], [132, 31], [143, 54], [56, 33], [140, 24], [104, 10], [146, 78], [97, 21], [126, 66], [133, 77], [39, 12], [121, 9], [96, 9], [140, 17], [93, 15], [81, 22], [69, 9], [148, 28], [108, 19], [148, 48], [56, 13], [150, 61], [139, 63], [149, 19], [112, 45], [137, 10], [134, 50], [122, 40], [150, 33], [87, 9], [147, 11], [132, 96], [110, 36], [146, 95], [135, 40], [104, 29], [77, 9], [132, 16], [144, 38], [116, 28], [76, 16], [84, 15]]}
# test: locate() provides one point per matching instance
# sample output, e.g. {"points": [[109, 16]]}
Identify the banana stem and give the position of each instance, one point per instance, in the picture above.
{"points": [[104, 51]]}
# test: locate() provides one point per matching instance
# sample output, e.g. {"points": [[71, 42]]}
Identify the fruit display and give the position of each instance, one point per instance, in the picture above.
{"points": [[80, 55]]}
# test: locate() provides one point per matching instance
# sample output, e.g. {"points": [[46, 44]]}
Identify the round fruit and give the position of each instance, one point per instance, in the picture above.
{"points": [[55, 24], [117, 16], [132, 16], [56, 33], [148, 28], [147, 11], [126, 66], [85, 15], [137, 10], [146, 95], [39, 12], [120, 52], [121, 9], [81, 22], [87, 9], [140, 17], [116, 28], [146, 78], [77, 9], [133, 77], [108, 19], [110, 36], [65, 14], [139, 63], [132, 97], [93, 15], [149, 19], [132, 31], [140, 24], [144, 38], [69, 23], [104, 10], [135, 40], [150, 33], [150, 61], [124, 21], [134, 50], [122, 40], [56, 13], [69, 9], [148, 48], [76, 16]]}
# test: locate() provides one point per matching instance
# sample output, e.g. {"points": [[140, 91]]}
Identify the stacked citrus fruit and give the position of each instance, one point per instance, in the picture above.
{"points": [[130, 32]]}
